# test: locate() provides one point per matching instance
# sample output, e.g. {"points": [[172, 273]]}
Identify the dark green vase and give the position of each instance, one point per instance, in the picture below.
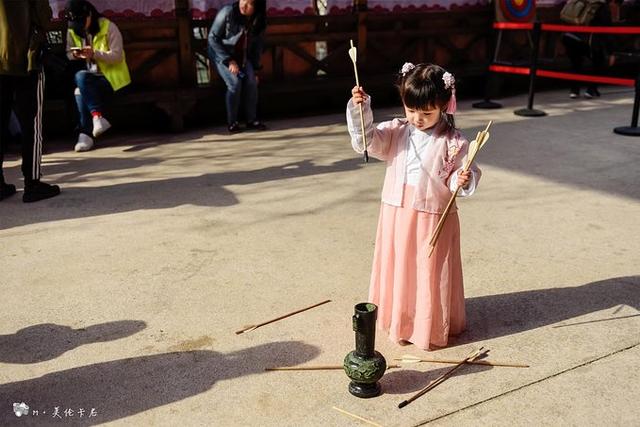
{"points": [[365, 366]]}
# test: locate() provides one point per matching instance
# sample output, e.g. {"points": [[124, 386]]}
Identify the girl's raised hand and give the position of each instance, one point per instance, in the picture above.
{"points": [[464, 178], [358, 95]]}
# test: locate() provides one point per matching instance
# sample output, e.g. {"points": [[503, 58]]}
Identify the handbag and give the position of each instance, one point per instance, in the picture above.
{"points": [[580, 12]]}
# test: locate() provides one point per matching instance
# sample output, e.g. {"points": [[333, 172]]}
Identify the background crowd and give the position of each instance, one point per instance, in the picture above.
{"points": [[94, 44]]}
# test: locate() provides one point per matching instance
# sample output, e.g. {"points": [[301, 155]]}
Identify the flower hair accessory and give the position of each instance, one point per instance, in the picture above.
{"points": [[450, 82], [408, 66]]}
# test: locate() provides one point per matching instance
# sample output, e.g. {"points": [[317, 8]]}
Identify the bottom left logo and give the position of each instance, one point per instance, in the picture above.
{"points": [[20, 409]]}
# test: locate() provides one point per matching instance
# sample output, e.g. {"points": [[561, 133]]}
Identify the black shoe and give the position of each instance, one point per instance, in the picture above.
{"points": [[256, 125], [6, 190], [234, 127], [592, 93], [36, 190]]}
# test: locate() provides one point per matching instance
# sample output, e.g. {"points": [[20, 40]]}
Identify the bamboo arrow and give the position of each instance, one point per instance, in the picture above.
{"points": [[407, 358], [357, 417], [250, 328], [474, 148], [353, 54], [316, 368], [471, 357]]}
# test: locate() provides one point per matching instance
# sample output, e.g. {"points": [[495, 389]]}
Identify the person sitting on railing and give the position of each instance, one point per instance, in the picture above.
{"points": [[597, 47], [96, 40], [235, 45]]}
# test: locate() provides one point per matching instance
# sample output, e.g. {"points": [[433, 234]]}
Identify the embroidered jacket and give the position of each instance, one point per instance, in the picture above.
{"points": [[442, 160]]}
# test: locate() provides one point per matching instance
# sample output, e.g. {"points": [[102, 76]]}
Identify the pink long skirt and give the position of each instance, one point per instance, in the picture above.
{"points": [[419, 299]]}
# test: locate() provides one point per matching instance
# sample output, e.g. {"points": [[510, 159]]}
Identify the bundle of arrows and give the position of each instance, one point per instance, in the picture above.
{"points": [[474, 148]]}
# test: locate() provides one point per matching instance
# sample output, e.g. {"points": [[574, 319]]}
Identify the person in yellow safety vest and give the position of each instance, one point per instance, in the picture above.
{"points": [[96, 40]]}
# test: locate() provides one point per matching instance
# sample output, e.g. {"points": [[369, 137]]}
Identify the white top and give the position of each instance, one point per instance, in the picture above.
{"points": [[418, 140]]}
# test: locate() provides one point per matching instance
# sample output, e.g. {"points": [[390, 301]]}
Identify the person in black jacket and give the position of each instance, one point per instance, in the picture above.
{"points": [[235, 43], [597, 47], [22, 33]]}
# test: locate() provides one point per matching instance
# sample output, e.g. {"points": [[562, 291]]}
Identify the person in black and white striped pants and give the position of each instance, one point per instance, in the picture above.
{"points": [[22, 24]]}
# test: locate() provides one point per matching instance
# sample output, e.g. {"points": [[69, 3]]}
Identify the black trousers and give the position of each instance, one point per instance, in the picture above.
{"points": [[24, 95], [578, 49]]}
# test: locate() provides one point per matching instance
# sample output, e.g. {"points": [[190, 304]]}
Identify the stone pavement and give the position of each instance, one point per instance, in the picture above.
{"points": [[121, 296]]}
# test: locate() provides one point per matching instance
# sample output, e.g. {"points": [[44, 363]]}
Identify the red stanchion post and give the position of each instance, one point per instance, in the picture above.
{"points": [[530, 111], [632, 130]]}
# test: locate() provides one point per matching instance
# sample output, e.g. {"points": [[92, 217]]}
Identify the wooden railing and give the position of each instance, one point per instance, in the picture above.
{"points": [[305, 55]]}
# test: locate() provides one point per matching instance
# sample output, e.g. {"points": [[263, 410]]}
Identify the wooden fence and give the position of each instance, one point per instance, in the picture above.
{"points": [[306, 61]]}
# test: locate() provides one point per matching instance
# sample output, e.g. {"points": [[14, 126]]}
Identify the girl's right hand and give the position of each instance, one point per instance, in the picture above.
{"points": [[358, 95]]}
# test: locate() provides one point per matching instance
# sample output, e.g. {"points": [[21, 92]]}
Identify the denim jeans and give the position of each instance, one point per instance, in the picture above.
{"points": [[240, 89], [94, 91]]}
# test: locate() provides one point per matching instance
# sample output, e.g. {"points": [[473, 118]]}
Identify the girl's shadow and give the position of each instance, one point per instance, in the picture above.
{"points": [[506, 314]]}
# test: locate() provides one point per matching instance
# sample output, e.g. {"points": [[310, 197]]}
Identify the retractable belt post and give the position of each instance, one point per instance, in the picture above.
{"points": [[491, 82], [530, 111], [632, 130], [532, 71]]}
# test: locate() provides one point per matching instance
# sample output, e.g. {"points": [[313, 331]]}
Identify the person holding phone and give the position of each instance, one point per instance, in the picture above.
{"points": [[96, 40], [598, 48]]}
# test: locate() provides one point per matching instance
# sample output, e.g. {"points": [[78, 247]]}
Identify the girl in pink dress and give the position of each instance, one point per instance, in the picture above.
{"points": [[420, 299]]}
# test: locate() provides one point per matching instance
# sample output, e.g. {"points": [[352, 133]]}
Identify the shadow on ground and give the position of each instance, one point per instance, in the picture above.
{"points": [[403, 381], [494, 316], [122, 388], [83, 169], [135, 140], [47, 341], [575, 150], [203, 190]]}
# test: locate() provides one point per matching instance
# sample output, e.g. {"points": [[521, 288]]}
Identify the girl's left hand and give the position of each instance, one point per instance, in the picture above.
{"points": [[464, 178]]}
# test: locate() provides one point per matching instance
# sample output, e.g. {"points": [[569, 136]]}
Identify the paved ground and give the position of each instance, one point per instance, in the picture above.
{"points": [[122, 295]]}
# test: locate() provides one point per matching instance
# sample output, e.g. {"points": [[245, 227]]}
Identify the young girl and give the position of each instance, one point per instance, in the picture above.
{"points": [[420, 299]]}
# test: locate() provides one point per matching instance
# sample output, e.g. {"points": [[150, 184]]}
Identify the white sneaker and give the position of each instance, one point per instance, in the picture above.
{"points": [[100, 126], [85, 143]]}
